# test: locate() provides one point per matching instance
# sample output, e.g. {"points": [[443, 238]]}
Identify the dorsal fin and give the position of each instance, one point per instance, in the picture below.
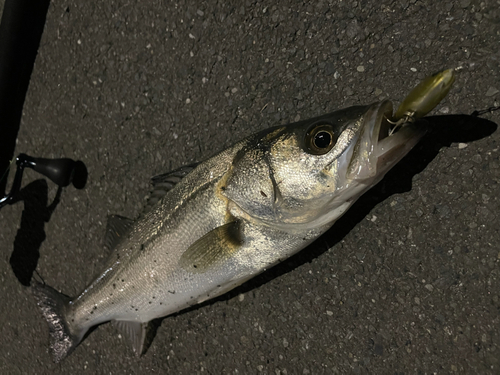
{"points": [[165, 182], [116, 230]]}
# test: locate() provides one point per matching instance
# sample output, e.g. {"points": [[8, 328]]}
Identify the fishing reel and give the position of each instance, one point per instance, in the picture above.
{"points": [[60, 171]]}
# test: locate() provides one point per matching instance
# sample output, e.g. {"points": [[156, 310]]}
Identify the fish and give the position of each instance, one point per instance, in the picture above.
{"points": [[211, 226]]}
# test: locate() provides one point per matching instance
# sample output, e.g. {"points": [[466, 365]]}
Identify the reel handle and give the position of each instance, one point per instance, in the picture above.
{"points": [[59, 171]]}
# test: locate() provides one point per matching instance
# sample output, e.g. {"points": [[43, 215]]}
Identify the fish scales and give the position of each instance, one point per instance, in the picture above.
{"points": [[192, 211], [255, 184], [213, 226]]}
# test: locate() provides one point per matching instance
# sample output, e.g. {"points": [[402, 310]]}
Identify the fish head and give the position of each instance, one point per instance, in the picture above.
{"points": [[307, 174]]}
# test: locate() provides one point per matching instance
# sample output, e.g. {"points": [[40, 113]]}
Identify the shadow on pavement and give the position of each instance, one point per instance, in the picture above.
{"points": [[443, 131], [31, 233]]}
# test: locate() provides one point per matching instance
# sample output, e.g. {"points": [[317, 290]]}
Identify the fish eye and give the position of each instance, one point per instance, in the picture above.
{"points": [[320, 139]]}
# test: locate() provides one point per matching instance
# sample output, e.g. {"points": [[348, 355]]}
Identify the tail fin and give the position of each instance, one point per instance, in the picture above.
{"points": [[54, 306]]}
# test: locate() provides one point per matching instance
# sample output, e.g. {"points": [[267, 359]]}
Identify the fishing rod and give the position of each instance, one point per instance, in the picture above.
{"points": [[21, 28]]}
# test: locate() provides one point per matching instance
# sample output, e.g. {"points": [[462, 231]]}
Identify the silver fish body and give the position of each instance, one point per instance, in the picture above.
{"points": [[229, 219]]}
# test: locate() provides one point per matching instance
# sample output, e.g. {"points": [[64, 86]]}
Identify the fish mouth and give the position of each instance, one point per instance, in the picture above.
{"points": [[378, 147]]}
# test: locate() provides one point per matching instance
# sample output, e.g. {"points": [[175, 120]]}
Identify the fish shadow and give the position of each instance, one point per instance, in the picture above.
{"points": [[443, 131]]}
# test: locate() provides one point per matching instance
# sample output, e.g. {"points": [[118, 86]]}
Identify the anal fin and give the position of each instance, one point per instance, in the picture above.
{"points": [[140, 334]]}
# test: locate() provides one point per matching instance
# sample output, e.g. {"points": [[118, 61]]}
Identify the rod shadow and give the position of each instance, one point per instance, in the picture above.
{"points": [[31, 233], [36, 213]]}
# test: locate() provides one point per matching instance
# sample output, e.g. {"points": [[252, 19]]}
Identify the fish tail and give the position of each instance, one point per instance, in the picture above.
{"points": [[64, 336]]}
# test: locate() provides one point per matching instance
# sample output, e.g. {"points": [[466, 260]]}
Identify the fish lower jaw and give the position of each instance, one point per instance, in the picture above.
{"points": [[385, 149], [393, 148]]}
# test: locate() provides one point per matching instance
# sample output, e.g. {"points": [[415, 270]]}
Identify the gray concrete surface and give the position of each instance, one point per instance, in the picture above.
{"points": [[407, 284]]}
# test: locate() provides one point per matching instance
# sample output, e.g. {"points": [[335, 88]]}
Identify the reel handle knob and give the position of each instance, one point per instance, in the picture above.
{"points": [[59, 171]]}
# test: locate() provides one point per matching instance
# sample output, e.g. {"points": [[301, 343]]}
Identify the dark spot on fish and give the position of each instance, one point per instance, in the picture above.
{"points": [[114, 286], [154, 297], [150, 302], [123, 280], [154, 260], [161, 303], [223, 188], [171, 291], [91, 313], [218, 286], [72, 320], [132, 306], [112, 303], [195, 266], [117, 256], [263, 194], [136, 309], [142, 246], [95, 307], [110, 294]]}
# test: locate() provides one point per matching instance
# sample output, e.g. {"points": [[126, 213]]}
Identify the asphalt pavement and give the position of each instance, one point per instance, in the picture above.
{"points": [[408, 282]]}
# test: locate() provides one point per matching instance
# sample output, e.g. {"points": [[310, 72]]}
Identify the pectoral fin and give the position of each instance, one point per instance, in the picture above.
{"points": [[213, 248]]}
